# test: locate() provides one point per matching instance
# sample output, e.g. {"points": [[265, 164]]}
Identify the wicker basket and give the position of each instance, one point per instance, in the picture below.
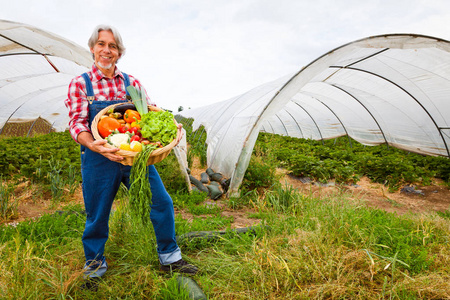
{"points": [[157, 155]]}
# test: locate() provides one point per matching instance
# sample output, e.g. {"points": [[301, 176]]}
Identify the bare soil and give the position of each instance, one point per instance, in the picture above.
{"points": [[425, 199]]}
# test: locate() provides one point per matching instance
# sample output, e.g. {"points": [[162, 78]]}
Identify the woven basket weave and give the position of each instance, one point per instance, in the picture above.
{"points": [[155, 157]]}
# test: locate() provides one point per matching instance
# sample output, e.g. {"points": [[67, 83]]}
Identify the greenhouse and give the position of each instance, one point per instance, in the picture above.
{"points": [[389, 89], [35, 70]]}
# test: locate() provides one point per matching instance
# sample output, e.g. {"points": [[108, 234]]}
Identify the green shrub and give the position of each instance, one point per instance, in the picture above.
{"points": [[184, 200], [171, 175], [260, 173]]}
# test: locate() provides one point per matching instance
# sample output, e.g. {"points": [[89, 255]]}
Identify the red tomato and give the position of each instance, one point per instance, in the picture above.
{"points": [[133, 130], [135, 138]]}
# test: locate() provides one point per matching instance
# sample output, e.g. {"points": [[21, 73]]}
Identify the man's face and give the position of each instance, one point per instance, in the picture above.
{"points": [[106, 52]]}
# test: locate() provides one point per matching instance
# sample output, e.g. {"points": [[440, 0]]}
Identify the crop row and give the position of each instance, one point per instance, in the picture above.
{"points": [[346, 162], [336, 160]]}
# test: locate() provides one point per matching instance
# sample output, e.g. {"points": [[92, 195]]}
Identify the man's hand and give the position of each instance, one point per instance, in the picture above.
{"points": [[109, 153], [180, 135], [86, 139]]}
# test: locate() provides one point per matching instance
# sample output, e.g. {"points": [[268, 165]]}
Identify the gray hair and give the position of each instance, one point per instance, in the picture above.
{"points": [[94, 38]]}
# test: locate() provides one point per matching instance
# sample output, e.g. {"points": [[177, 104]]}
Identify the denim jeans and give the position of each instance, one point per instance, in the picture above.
{"points": [[101, 181]]}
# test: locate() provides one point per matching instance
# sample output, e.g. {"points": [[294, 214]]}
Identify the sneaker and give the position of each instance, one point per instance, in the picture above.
{"points": [[180, 266]]}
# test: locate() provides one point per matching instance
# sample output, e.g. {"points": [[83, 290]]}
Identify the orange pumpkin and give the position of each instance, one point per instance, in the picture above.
{"points": [[131, 116], [106, 125]]}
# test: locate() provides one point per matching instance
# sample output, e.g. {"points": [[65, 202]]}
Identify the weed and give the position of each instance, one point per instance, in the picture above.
{"points": [[243, 200], [172, 291], [444, 214], [8, 206], [183, 200], [57, 181], [170, 173], [206, 209], [281, 199], [393, 202], [260, 173], [200, 224]]}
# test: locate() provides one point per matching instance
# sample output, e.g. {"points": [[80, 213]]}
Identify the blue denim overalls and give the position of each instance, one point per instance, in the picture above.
{"points": [[101, 181]]}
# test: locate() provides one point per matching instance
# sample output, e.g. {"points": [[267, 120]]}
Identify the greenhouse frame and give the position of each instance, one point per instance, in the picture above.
{"points": [[389, 89], [36, 68]]}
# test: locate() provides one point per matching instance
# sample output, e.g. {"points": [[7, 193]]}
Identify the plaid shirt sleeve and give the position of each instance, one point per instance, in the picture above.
{"points": [[78, 107]]}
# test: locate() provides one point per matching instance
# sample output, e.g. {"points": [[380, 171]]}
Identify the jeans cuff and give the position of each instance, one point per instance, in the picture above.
{"points": [[94, 269], [168, 258]]}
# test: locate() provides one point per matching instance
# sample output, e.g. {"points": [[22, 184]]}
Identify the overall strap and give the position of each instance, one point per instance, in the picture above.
{"points": [[127, 81], [89, 89]]}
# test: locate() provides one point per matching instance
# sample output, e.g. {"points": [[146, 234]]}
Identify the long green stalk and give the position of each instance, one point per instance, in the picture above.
{"points": [[139, 99], [140, 192]]}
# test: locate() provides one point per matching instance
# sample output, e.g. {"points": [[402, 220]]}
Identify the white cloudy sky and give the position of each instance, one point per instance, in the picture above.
{"points": [[195, 52]]}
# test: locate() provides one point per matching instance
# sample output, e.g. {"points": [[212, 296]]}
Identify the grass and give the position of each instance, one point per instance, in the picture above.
{"points": [[327, 248], [8, 206], [308, 247]]}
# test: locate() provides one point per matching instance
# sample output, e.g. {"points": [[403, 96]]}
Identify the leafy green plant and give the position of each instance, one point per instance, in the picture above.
{"points": [[8, 207], [346, 162], [259, 173], [57, 181], [197, 142], [29, 156], [170, 173]]}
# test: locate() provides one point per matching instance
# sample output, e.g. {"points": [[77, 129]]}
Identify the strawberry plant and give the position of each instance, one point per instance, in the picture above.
{"points": [[343, 162]]}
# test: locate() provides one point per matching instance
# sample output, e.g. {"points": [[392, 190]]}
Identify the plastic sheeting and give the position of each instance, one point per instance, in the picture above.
{"points": [[35, 70], [392, 89]]}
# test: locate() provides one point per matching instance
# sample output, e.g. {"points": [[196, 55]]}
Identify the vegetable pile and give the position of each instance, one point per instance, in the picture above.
{"points": [[132, 127], [125, 128]]}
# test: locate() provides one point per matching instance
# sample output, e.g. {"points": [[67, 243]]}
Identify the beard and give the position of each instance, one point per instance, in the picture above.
{"points": [[107, 67]]}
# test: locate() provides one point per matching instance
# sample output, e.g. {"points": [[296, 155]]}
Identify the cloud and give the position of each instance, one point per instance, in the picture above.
{"points": [[193, 53]]}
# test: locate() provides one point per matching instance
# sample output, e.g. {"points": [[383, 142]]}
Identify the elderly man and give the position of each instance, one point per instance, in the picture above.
{"points": [[103, 85]]}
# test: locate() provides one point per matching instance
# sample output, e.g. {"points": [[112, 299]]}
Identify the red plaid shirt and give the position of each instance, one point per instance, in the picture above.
{"points": [[105, 89]]}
